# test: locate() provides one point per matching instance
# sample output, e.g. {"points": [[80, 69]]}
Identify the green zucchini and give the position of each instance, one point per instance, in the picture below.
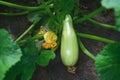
{"points": [[69, 43]]}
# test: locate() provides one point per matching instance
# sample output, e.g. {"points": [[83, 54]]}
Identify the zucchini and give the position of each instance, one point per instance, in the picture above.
{"points": [[69, 43]]}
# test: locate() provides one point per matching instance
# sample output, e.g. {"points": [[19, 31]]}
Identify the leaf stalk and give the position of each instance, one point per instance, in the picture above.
{"points": [[90, 55], [95, 37]]}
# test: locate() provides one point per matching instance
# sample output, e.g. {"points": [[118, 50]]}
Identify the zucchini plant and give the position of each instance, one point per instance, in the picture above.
{"points": [[52, 25]]}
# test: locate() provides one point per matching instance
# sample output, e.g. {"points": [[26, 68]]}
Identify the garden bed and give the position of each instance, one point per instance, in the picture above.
{"points": [[85, 66]]}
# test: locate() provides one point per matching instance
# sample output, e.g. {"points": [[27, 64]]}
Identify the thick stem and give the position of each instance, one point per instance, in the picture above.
{"points": [[95, 38], [90, 55], [90, 15], [14, 14], [18, 6], [102, 25], [22, 35], [39, 36]]}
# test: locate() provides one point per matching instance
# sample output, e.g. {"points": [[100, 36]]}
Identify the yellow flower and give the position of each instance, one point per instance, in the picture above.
{"points": [[50, 37], [46, 45], [54, 44], [50, 40], [49, 45]]}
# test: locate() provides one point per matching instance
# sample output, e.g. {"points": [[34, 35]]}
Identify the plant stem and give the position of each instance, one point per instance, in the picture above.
{"points": [[95, 38], [19, 6], [22, 35], [90, 15], [102, 25], [14, 14], [39, 36], [90, 55]]}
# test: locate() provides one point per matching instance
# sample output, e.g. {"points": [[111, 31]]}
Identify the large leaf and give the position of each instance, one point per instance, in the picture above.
{"points": [[26, 66], [10, 53], [45, 57], [113, 4], [117, 15], [108, 62], [63, 5]]}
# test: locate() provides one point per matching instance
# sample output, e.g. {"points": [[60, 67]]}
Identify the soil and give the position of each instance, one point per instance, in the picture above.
{"points": [[85, 66]]}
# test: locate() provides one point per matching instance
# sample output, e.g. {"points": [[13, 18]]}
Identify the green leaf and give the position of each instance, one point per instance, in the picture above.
{"points": [[117, 16], [64, 5], [113, 4], [28, 61], [10, 53], [28, 72], [26, 66], [24, 71], [45, 57], [108, 62], [36, 15]]}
